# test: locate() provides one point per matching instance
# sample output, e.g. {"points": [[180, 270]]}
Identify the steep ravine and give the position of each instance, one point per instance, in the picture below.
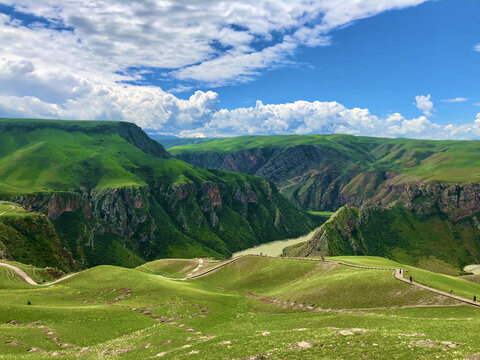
{"points": [[132, 224], [316, 177]]}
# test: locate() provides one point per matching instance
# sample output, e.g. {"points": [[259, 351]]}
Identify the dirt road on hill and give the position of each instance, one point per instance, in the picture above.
{"points": [[11, 209], [396, 272], [196, 273], [29, 280]]}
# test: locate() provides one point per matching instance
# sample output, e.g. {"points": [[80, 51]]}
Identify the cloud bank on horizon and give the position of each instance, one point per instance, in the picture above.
{"points": [[87, 59]]}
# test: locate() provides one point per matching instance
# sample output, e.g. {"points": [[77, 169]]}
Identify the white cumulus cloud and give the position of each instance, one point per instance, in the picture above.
{"points": [[424, 104], [90, 64]]}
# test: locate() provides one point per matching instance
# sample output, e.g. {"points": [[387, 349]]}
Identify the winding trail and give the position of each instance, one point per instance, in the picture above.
{"points": [[29, 280], [11, 209], [195, 274], [398, 274]]}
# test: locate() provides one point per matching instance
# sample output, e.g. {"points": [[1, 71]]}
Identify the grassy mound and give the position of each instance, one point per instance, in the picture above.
{"points": [[175, 268], [317, 284]]}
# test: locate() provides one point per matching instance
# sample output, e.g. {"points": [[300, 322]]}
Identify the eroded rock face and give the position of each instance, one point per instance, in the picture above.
{"points": [[149, 219], [457, 201], [321, 178], [313, 176]]}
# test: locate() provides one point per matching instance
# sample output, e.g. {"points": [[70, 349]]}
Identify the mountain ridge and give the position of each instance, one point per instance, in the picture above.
{"points": [[115, 197]]}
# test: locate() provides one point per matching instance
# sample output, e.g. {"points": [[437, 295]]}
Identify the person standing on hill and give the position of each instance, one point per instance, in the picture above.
{"points": [[474, 298], [411, 280]]}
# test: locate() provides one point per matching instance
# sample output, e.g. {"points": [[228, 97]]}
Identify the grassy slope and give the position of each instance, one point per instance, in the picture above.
{"points": [[64, 158], [175, 268], [38, 274], [315, 283], [442, 282], [171, 142], [430, 160], [78, 311]]}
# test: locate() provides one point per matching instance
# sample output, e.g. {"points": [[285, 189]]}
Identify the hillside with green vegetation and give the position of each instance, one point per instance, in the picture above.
{"points": [[431, 242], [255, 308], [175, 268], [324, 172], [115, 196], [31, 238]]}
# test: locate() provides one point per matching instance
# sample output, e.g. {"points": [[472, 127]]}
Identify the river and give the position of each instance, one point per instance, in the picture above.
{"points": [[274, 248]]}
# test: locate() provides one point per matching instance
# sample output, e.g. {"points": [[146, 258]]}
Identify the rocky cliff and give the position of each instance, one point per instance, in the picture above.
{"points": [[132, 224]]}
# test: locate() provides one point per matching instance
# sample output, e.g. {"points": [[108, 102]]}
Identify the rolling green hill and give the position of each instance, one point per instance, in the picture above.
{"points": [[256, 308], [324, 172], [116, 197]]}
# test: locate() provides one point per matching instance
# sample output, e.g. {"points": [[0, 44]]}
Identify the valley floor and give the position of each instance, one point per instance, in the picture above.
{"points": [[250, 308]]}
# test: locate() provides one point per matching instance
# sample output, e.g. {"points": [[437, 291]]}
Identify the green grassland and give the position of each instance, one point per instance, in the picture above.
{"points": [[72, 156], [460, 286], [167, 143], [430, 160], [38, 274], [175, 268], [117, 313]]}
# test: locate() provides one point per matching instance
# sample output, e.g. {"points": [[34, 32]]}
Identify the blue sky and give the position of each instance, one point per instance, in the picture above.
{"points": [[382, 63], [397, 68]]}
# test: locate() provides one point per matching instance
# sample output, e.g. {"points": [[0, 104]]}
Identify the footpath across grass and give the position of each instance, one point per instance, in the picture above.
{"points": [[446, 283]]}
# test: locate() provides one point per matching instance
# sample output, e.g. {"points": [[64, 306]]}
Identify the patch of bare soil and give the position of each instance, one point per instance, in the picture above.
{"points": [[116, 351], [14, 343], [258, 357], [354, 331], [51, 335], [187, 267], [302, 345], [432, 344]]}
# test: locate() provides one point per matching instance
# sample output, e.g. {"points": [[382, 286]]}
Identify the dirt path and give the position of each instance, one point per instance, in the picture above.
{"points": [[215, 268], [29, 280], [199, 266], [195, 275], [399, 276], [11, 209], [396, 272]]}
